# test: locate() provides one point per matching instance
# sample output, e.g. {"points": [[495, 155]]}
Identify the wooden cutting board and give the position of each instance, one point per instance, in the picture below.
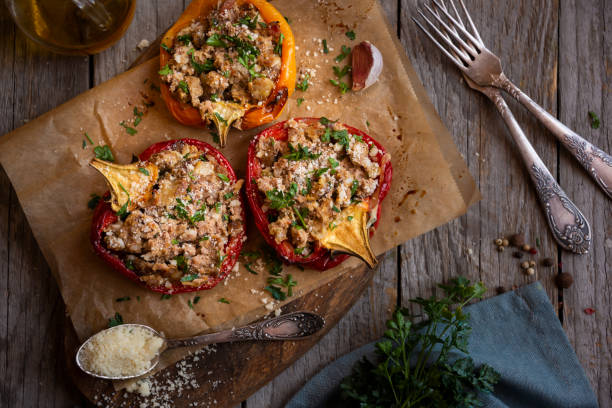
{"points": [[234, 371]]}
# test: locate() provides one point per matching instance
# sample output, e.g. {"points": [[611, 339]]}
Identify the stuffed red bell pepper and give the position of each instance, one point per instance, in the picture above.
{"points": [[315, 187], [175, 220], [228, 62]]}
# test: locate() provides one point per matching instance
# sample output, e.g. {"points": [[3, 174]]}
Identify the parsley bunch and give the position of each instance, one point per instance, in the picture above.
{"points": [[415, 369]]}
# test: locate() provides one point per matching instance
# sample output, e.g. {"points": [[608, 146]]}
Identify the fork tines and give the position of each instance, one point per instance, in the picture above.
{"points": [[462, 46]]}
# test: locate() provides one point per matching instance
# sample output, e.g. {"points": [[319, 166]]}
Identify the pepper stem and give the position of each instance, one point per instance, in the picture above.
{"points": [[349, 234], [130, 184], [223, 115]]}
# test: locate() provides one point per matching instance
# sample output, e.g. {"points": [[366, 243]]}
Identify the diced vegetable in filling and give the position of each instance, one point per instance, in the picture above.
{"points": [[232, 56], [309, 179], [180, 235]]}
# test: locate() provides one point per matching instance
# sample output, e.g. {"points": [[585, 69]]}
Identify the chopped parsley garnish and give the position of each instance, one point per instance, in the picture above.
{"points": [[205, 238], [123, 299], [227, 196], [251, 254], [341, 73], [279, 45], [123, 212], [350, 218], [275, 285], [594, 120], [279, 199], [196, 300], [165, 48], [300, 214], [354, 187], [182, 264], [115, 320], [183, 87], [343, 86], [287, 19], [333, 162], [208, 66], [346, 51], [216, 41], [326, 137], [223, 177], [301, 153], [143, 171], [130, 130], [224, 300], [165, 70], [84, 145], [89, 139], [129, 264], [165, 296], [298, 251], [299, 101], [94, 199], [217, 207], [308, 189], [351, 35], [189, 278], [318, 173], [367, 123], [336, 209], [303, 85], [104, 153], [325, 49], [248, 21], [248, 268], [220, 118], [357, 138], [214, 97], [189, 303], [185, 39], [324, 121], [174, 242], [221, 259], [244, 61], [225, 217], [341, 137]]}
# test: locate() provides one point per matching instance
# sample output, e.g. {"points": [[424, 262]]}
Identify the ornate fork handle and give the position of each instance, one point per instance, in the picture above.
{"points": [[568, 225], [292, 326], [597, 162]]}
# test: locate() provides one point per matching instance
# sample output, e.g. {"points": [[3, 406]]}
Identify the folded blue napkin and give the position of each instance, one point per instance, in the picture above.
{"points": [[518, 334]]}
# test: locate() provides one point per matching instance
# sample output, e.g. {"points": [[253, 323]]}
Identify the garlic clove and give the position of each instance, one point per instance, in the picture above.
{"points": [[367, 64]]}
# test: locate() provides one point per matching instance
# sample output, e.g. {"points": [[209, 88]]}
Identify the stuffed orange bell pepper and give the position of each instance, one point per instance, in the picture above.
{"points": [[228, 63]]}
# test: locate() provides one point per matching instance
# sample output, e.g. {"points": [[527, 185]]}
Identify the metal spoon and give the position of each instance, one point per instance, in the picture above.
{"points": [[291, 326]]}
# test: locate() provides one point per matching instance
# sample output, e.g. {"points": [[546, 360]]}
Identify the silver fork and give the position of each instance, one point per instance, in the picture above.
{"points": [[484, 68], [568, 225]]}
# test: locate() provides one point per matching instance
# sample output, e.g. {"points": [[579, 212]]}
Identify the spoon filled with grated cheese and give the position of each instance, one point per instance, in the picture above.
{"points": [[132, 350]]}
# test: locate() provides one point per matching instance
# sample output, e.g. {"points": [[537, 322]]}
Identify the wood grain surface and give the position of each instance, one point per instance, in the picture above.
{"points": [[558, 51]]}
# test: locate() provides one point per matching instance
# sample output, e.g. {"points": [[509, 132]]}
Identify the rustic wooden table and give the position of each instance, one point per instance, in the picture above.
{"points": [[558, 51]]}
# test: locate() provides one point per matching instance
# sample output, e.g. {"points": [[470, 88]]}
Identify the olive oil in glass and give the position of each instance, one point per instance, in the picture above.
{"points": [[77, 27]]}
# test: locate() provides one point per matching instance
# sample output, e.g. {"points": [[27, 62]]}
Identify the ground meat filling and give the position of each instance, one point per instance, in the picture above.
{"points": [[231, 56], [180, 235], [309, 179]]}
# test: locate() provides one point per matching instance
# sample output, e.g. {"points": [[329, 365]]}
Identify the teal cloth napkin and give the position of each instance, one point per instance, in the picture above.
{"points": [[518, 334]]}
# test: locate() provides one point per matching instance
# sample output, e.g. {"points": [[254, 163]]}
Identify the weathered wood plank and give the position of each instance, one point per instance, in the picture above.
{"points": [[465, 246], [32, 313], [585, 80], [362, 324]]}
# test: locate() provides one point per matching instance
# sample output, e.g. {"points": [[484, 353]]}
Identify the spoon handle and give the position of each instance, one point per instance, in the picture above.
{"points": [[291, 326]]}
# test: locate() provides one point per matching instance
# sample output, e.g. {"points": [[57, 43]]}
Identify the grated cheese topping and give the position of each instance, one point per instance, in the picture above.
{"points": [[121, 351]]}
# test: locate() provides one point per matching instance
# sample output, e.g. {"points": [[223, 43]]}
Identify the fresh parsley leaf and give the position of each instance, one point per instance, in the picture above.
{"points": [[335, 209], [345, 52], [343, 86], [94, 199], [181, 263], [122, 299], [104, 153], [249, 21], [130, 130], [165, 48], [223, 177], [340, 73], [115, 320], [183, 87], [278, 49], [350, 35], [175, 242], [189, 303], [354, 187], [299, 101], [276, 292], [595, 122], [165, 296], [220, 118], [318, 173], [301, 153], [224, 300], [196, 300], [89, 139], [341, 137], [248, 268], [208, 66], [279, 199], [185, 39], [143, 171], [190, 278], [227, 196], [333, 162], [413, 366], [165, 70], [350, 218], [325, 49], [304, 84]]}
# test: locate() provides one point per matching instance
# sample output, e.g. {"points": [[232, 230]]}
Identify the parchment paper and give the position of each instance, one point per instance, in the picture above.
{"points": [[49, 170]]}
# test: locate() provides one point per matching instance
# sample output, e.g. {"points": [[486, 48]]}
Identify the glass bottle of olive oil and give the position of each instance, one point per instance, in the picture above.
{"points": [[77, 27]]}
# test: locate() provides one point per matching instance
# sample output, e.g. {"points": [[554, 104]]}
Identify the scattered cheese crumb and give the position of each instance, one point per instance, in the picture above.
{"points": [[143, 44]]}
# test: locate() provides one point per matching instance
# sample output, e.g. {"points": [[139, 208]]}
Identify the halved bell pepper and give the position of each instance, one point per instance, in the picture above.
{"points": [[130, 187], [348, 237], [253, 115]]}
